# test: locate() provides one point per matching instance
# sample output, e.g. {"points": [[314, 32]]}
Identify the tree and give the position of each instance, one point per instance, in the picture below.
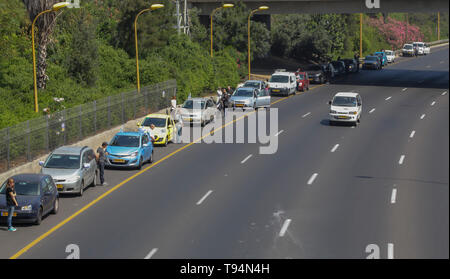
{"points": [[44, 26]]}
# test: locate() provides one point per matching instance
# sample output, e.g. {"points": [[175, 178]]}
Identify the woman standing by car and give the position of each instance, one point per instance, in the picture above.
{"points": [[10, 202]]}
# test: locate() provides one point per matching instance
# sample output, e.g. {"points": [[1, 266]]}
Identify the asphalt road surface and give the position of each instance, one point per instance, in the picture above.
{"points": [[328, 191]]}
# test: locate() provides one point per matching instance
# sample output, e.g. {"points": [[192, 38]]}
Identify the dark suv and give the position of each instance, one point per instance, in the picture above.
{"points": [[316, 73]]}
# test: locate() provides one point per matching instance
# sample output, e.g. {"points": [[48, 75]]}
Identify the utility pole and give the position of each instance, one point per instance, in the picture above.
{"points": [[360, 35], [178, 16], [439, 26]]}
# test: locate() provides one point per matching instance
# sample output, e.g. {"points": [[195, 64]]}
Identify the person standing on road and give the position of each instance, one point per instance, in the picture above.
{"points": [[152, 131], [101, 159], [11, 202], [356, 56], [173, 104]]}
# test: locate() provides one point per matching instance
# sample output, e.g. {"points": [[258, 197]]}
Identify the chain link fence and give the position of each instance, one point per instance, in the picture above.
{"points": [[29, 140]]}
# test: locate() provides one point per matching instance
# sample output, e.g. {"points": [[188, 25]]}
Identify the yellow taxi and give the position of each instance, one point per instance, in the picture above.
{"points": [[164, 127]]}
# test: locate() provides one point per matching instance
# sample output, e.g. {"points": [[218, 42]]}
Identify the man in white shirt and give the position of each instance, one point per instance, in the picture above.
{"points": [[173, 103], [151, 132]]}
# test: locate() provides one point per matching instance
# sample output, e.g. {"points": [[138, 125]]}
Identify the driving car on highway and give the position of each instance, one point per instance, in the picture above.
{"points": [[316, 73], [73, 168], [372, 62], [129, 149], [164, 127], [247, 97], [345, 107], [302, 81], [198, 111], [390, 55], [37, 196], [383, 57], [408, 50]]}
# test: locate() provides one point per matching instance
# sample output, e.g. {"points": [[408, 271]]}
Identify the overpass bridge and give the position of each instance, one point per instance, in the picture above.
{"points": [[332, 6]]}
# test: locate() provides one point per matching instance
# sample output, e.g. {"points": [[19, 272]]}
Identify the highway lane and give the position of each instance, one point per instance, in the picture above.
{"points": [[244, 206]]}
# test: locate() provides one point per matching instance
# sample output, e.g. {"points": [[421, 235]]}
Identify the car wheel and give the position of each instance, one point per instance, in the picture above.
{"points": [[141, 162], [80, 193], [39, 217], [55, 206], [166, 141], [151, 158]]}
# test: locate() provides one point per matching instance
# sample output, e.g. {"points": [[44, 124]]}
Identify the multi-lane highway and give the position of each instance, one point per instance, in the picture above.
{"points": [[328, 191]]}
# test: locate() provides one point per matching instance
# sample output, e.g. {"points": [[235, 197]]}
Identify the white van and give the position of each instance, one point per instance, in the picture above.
{"points": [[345, 107], [282, 83]]}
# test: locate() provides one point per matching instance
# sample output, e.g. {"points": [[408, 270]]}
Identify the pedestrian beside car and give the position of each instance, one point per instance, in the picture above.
{"points": [[229, 90], [356, 56], [173, 104], [11, 202], [152, 132], [101, 160]]}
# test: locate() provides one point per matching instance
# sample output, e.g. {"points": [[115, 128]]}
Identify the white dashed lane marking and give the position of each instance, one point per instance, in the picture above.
{"points": [[284, 227], [246, 158], [412, 134], [304, 115], [204, 197], [334, 148], [402, 158], [152, 252], [313, 177], [423, 116], [372, 110]]}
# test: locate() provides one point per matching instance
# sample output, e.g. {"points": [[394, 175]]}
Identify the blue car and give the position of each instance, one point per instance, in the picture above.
{"points": [[37, 196], [383, 57], [129, 149]]}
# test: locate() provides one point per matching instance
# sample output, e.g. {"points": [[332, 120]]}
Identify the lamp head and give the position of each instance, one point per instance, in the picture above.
{"points": [[262, 8], [156, 6], [59, 6], [228, 5]]}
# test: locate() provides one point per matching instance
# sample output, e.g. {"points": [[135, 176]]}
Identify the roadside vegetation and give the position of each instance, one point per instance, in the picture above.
{"points": [[90, 52]]}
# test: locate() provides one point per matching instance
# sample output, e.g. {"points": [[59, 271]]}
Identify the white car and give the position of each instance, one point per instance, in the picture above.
{"points": [[198, 111], [408, 50], [390, 55], [419, 47], [345, 107], [282, 83], [426, 49]]}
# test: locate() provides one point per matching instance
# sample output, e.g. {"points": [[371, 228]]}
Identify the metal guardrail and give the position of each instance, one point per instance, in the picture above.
{"points": [[31, 139]]}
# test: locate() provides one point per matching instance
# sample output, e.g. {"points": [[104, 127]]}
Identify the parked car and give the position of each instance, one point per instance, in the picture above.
{"points": [[129, 149], [72, 168], [351, 65], [258, 84], [248, 97], [164, 127], [383, 57], [418, 48], [302, 81], [372, 62], [345, 107], [408, 50], [198, 111], [339, 66], [37, 196], [316, 73], [282, 83], [426, 49], [390, 55]]}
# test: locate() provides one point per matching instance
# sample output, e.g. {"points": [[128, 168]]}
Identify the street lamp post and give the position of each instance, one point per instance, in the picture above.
{"points": [[54, 8], [211, 17], [262, 8], [152, 7]]}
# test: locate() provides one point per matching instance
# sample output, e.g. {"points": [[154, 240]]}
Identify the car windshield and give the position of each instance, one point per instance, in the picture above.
{"points": [[341, 101], [371, 58], [23, 188], [253, 84], [61, 161], [408, 47], [388, 52], [415, 45], [420, 44], [125, 141], [158, 122], [190, 104], [280, 79], [243, 93]]}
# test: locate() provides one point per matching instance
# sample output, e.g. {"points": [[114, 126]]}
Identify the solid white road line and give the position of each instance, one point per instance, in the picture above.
{"points": [[334, 148], [303, 116], [394, 195], [388, 98], [432, 104], [246, 158], [279, 133], [152, 252], [284, 227], [412, 134], [372, 110], [204, 197], [404, 89], [443, 93], [423, 116], [390, 251], [402, 158], [313, 177]]}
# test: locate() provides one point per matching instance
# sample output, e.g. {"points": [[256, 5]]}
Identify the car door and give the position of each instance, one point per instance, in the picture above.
{"points": [[146, 147], [86, 172], [263, 98], [359, 101], [92, 163], [45, 197]]}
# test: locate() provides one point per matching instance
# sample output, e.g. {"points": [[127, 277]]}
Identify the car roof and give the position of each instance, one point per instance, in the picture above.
{"points": [[346, 94], [247, 88], [282, 74], [69, 150], [31, 177], [138, 133], [198, 99], [260, 81], [158, 115]]}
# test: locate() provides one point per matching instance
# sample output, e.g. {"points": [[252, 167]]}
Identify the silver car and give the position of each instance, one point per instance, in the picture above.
{"points": [[248, 97], [72, 168], [198, 111]]}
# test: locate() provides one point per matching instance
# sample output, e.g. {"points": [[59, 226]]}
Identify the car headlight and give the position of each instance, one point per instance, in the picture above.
{"points": [[73, 179], [27, 208], [134, 154], [332, 111], [352, 112]]}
